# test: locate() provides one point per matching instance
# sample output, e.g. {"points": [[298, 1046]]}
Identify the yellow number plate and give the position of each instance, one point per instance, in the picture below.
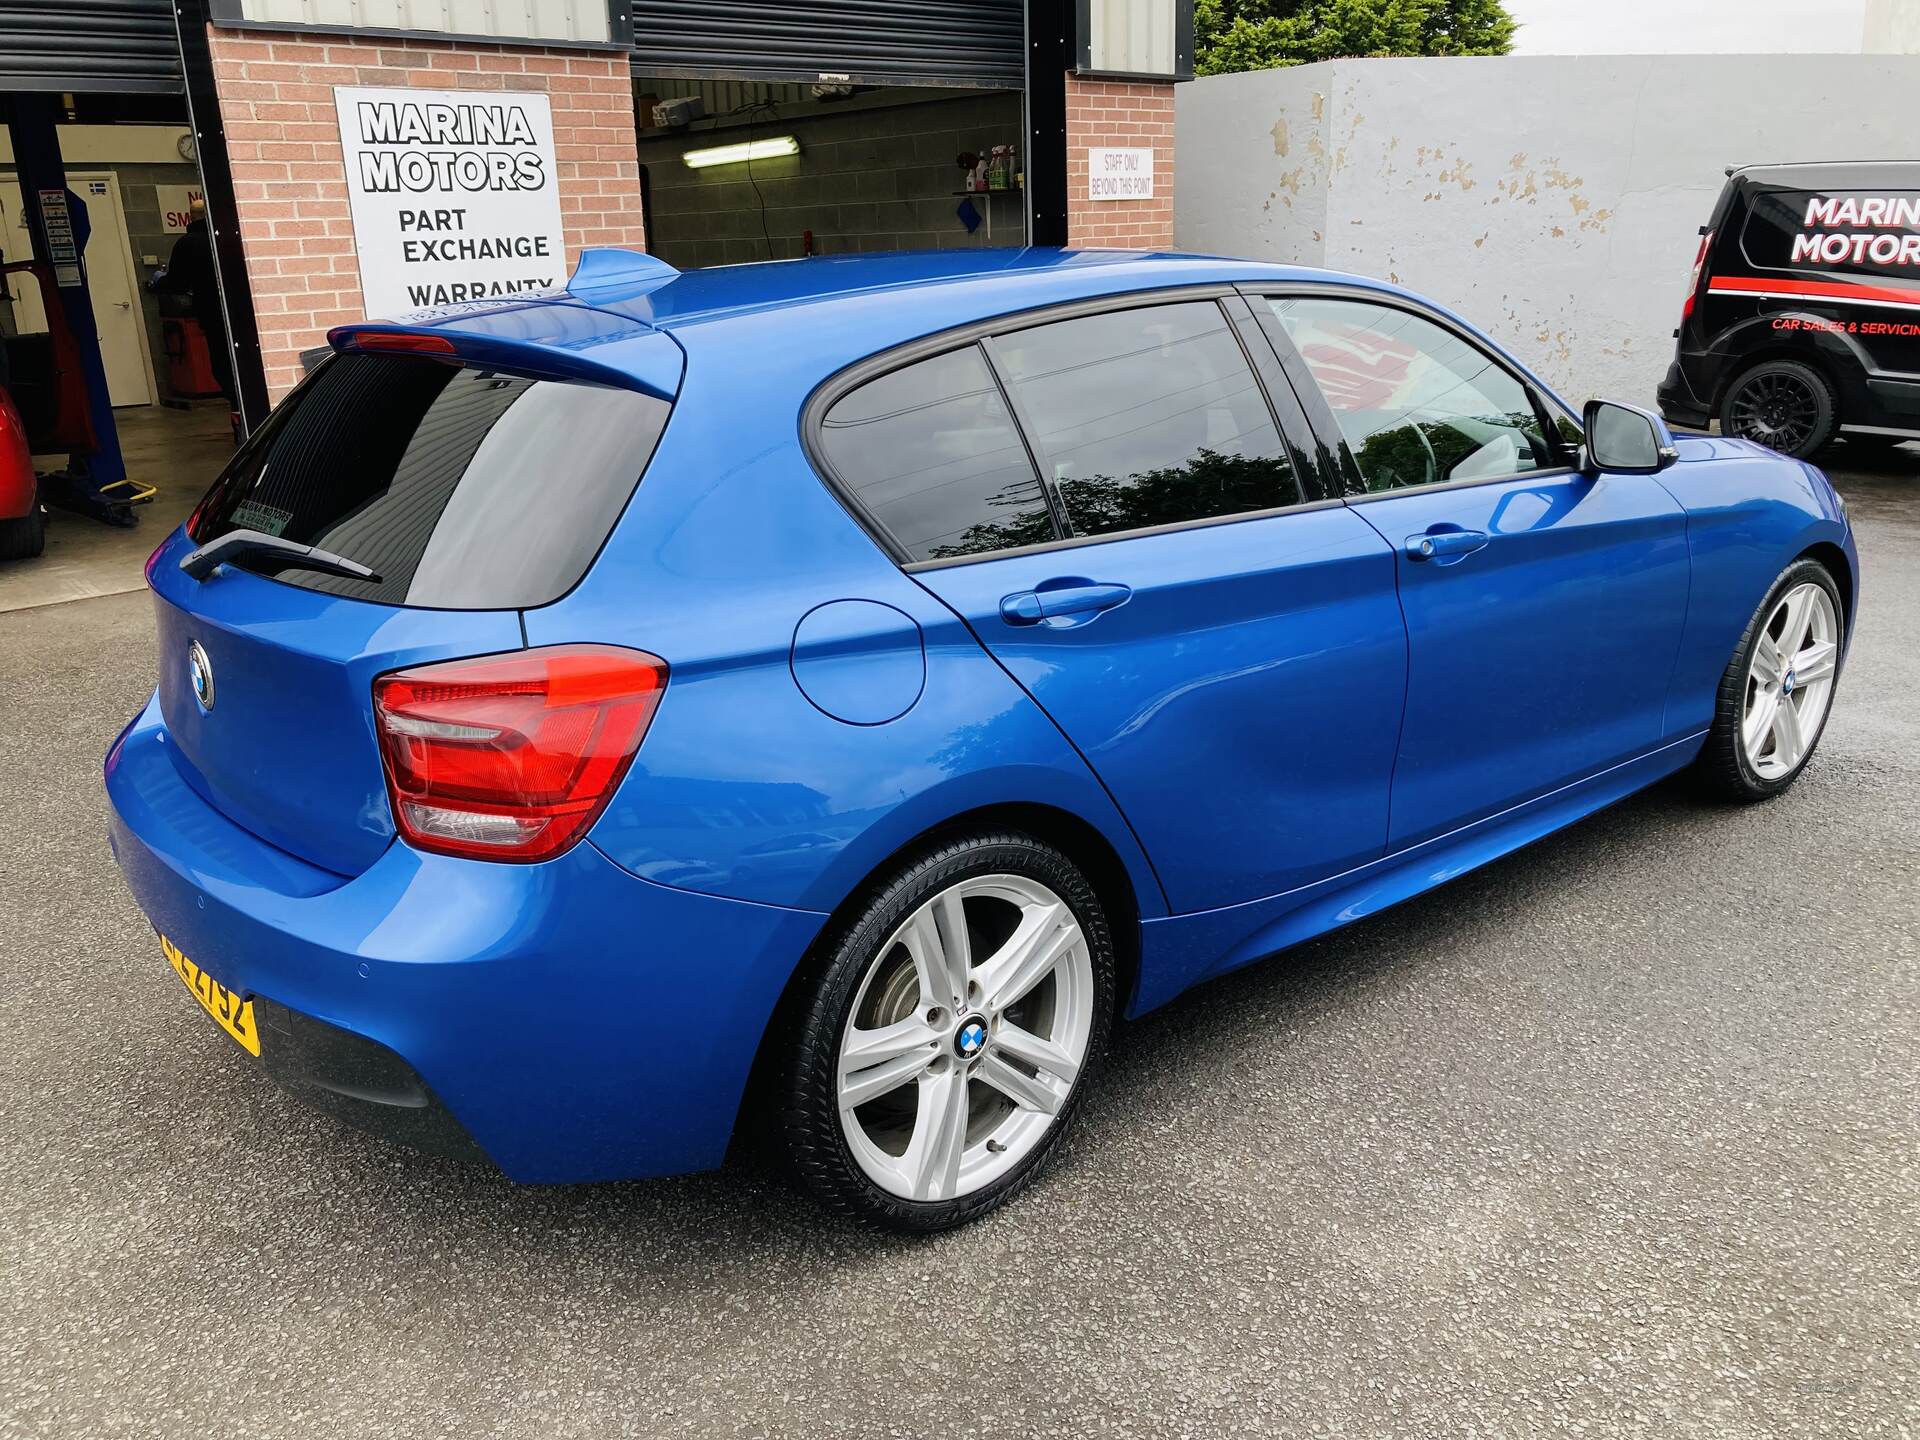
{"points": [[234, 1015]]}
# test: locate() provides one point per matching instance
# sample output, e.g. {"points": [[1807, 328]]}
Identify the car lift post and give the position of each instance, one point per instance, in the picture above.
{"points": [[93, 483]]}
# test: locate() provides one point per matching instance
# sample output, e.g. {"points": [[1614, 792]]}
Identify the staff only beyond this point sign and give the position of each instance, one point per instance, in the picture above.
{"points": [[453, 194], [1119, 174]]}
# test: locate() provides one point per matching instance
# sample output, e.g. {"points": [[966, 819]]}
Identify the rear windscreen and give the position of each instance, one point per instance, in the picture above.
{"points": [[1875, 231], [462, 488]]}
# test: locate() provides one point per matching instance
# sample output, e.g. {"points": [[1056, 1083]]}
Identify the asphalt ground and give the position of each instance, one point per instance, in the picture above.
{"points": [[1619, 1136]]}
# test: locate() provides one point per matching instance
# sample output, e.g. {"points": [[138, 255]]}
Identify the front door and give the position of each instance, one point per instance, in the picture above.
{"points": [[1543, 606], [1138, 552]]}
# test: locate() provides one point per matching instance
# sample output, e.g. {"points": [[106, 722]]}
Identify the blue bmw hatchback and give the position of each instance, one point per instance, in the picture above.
{"points": [[831, 694]]}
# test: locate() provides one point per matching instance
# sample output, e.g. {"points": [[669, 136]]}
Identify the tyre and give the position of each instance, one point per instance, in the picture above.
{"points": [[957, 1023], [24, 538], [1783, 405], [1778, 689]]}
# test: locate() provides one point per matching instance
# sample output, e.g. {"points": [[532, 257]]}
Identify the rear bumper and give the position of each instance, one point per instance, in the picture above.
{"points": [[573, 1021], [1678, 401]]}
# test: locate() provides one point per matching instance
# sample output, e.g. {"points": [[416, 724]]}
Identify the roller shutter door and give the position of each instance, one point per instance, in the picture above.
{"points": [[89, 45], [870, 42]]}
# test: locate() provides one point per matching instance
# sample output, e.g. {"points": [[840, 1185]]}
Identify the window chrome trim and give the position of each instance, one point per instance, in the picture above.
{"points": [[1076, 542], [843, 382]]}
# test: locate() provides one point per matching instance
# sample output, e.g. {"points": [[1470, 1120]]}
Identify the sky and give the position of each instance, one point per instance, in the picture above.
{"points": [[1627, 27]]}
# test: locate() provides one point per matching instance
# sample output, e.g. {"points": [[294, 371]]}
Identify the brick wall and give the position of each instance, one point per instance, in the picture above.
{"points": [[1120, 113], [283, 137]]}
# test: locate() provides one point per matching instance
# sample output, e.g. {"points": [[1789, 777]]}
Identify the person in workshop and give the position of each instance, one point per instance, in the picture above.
{"points": [[190, 272]]}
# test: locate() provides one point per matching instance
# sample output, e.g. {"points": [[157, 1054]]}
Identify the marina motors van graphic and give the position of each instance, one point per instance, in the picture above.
{"points": [[1859, 251], [1858, 230], [453, 195]]}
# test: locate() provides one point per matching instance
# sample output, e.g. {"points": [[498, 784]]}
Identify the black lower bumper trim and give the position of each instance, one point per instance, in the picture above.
{"points": [[1677, 401], [359, 1081]]}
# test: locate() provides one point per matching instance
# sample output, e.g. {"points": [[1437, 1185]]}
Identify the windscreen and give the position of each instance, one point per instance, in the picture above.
{"points": [[461, 487]]}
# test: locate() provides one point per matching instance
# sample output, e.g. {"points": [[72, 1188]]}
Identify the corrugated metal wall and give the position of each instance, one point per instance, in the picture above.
{"points": [[507, 19], [875, 42], [89, 45], [1134, 37]]}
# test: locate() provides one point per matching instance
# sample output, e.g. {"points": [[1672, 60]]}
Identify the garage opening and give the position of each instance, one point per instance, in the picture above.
{"points": [[114, 418], [769, 132], [736, 171]]}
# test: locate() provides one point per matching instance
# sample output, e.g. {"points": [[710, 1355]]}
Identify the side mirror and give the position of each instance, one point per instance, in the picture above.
{"points": [[1626, 440]]}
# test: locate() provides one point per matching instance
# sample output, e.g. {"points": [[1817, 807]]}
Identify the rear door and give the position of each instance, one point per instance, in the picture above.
{"points": [[1107, 500], [471, 490], [1543, 606]]}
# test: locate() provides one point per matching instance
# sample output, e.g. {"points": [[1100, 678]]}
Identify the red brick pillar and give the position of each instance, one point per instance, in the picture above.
{"points": [[1126, 114], [283, 139]]}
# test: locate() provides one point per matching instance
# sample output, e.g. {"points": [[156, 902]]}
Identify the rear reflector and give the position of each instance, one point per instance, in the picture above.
{"points": [[512, 757]]}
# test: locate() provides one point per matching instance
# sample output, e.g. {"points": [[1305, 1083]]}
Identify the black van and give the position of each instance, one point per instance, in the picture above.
{"points": [[1803, 317]]}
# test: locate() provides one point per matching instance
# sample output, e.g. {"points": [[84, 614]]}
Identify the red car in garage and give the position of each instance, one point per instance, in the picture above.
{"points": [[22, 519]]}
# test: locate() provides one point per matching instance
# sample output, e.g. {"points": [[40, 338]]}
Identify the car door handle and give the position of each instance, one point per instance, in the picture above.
{"points": [[1070, 603], [1444, 545]]}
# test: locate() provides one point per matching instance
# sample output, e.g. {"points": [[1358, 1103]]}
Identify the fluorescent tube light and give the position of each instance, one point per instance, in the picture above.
{"points": [[746, 150]]}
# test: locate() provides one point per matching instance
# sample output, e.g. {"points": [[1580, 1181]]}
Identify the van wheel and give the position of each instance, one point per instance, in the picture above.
{"points": [[1783, 405], [24, 538], [960, 1021]]}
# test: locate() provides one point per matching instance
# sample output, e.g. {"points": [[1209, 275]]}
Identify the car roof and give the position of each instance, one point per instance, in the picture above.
{"points": [[974, 283], [629, 314], [1831, 174]]}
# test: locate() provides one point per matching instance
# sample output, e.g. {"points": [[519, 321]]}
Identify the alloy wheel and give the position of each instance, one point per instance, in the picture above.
{"points": [[1776, 409], [965, 1038], [1790, 681]]}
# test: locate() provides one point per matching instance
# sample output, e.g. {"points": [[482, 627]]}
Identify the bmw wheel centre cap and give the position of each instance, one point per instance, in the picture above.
{"points": [[200, 672], [971, 1038]]}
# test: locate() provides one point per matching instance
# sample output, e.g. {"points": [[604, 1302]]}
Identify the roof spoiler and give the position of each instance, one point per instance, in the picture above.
{"points": [[535, 358], [605, 269]]}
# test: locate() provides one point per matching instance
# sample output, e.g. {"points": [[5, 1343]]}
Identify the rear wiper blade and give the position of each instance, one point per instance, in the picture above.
{"points": [[287, 555]]}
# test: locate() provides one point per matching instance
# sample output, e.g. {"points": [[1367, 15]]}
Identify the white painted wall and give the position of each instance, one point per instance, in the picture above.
{"points": [[1554, 201], [1892, 27]]}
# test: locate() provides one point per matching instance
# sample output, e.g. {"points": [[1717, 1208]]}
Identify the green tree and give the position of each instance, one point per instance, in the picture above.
{"points": [[1232, 35]]}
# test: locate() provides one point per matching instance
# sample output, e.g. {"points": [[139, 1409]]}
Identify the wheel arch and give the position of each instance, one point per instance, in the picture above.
{"points": [[1835, 561], [1836, 359], [1076, 838]]}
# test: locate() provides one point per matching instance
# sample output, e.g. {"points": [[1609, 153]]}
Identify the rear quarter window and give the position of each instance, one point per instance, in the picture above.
{"points": [[1835, 231], [930, 453], [463, 487]]}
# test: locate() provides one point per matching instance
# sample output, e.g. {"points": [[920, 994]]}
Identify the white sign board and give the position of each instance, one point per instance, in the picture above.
{"points": [[1119, 174], [176, 206], [453, 193]]}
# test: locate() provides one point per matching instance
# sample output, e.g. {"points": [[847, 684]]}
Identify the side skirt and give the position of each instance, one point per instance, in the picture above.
{"points": [[1180, 951]]}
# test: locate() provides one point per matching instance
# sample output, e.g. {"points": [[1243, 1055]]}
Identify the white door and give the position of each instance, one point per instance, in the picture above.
{"points": [[110, 279]]}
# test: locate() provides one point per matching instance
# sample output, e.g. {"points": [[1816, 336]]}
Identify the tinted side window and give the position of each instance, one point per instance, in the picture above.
{"points": [[1875, 232], [931, 454], [1416, 403], [1148, 417]]}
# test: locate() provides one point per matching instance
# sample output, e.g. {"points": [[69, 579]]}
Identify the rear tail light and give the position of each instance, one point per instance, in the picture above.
{"points": [[1693, 280], [401, 342], [513, 757]]}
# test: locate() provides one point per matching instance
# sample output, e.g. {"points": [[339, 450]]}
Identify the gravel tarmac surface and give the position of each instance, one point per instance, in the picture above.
{"points": [[1619, 1136]]}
